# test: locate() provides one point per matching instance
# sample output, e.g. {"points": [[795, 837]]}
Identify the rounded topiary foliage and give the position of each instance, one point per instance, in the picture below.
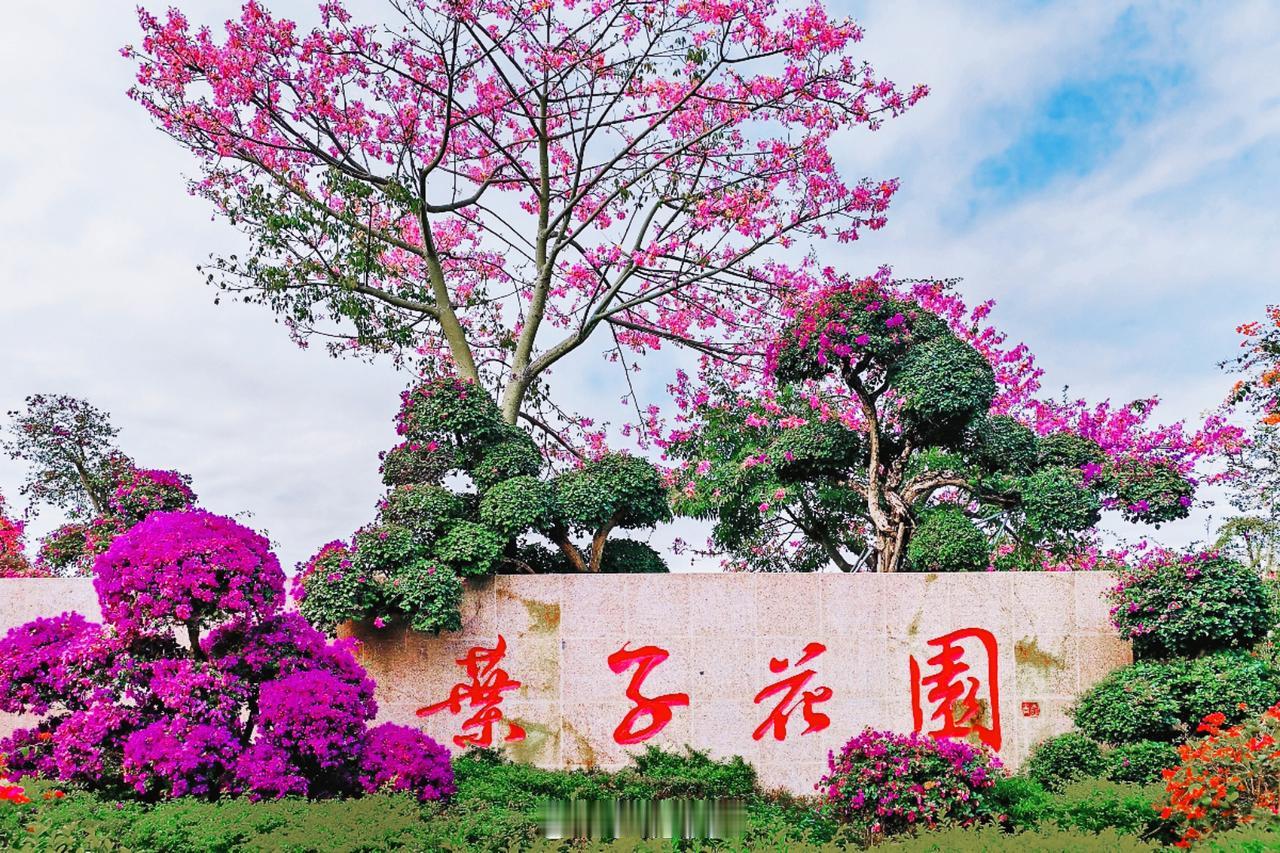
{"points": [[1189, 604], [1150, 492], [1068, 450], [451, 412], [417, 462], [330, 589], [515, 455], [629, 557], [946, 540], [1140, 762], [470, 549], [616, 489], [1054, 500], [1002, 445], [423, 508], [1165, 700], [894, 783], [518, 505], [1133, 703], [1064, 758], [189, 568], [382, 549], [944, 384], [431, 595]]}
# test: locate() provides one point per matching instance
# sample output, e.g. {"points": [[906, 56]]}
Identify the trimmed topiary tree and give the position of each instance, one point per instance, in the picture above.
{"points": [[890, 429], [1064, 758], [405, 567], [198, 684]]}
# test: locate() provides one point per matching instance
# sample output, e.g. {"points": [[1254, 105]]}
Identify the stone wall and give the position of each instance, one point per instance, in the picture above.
{"points": [[877, 650]]}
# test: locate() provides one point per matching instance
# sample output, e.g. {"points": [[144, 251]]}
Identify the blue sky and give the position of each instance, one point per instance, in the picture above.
{"points": [[1108, 172]]}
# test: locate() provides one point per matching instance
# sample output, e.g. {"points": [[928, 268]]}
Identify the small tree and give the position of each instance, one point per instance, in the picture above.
{"points": [[70, 450], [887, 429], [491, 185]]}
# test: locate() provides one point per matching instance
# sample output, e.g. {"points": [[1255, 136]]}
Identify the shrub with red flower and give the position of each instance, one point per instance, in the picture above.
{"points": [[199, 684], [1229, 777], [893, 783]]}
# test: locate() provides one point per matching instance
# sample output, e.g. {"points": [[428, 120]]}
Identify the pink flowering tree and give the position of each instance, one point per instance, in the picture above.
{"points": [[489, 184], [888, 426]]}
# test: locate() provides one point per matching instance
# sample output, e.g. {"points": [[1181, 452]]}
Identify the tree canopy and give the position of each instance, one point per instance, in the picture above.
{"points": [[490, 184], [892, 429]]}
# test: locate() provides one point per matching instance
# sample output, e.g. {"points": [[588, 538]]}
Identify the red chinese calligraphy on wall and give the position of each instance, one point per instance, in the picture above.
{"points": [[483, 693], [796, 696], [657, 709], [956, 697]]}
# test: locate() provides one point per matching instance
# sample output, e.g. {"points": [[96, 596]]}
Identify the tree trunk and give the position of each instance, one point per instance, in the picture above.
{"points": [[891, 546]]}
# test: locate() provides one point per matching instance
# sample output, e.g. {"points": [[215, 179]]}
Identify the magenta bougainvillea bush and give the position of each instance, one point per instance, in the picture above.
{"points": [[893, 783], [199, 683]]}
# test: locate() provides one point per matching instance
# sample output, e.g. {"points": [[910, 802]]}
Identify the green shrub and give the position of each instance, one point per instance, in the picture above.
{"points": [[1165, 700], [1095, 805], [1021, 802], [384, 548], [1150, 492], [517, 505], [1055, 500], [1002, 445], [515, 456], [944, 384], [1133, 703], [1064, 758], [1184, 605], [1140, 762], [992, 840], [1068, 450], [658, 774], [430, 594], [629, 557], [470, 549], [946, 540], [422, 508]]}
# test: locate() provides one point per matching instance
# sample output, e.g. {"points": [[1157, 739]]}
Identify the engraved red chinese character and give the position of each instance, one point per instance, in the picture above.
{"points": [[483, 693], [657, 709], [955, 695], [797, 697]]}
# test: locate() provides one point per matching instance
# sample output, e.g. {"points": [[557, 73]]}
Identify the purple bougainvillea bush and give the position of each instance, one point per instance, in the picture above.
{"points": [[199, 683], [891, 783]]}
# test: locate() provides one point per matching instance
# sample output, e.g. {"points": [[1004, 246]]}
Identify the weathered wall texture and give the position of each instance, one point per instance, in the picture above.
{"points": [[1051, 634], [727, 639]]}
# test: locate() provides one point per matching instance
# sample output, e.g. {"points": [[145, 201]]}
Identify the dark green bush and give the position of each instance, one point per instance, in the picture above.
{"points": [[1096, 805], [1002, 445], [425, 509], [518, 505], [430, 594], [1055, 500], [1140, 762], [470, 549], [629, 557], [1064, 758], [1188, 604], [992, 840], [946, 540], [944, 384], [1166, 700], [1068, 450], [692, 774]]}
